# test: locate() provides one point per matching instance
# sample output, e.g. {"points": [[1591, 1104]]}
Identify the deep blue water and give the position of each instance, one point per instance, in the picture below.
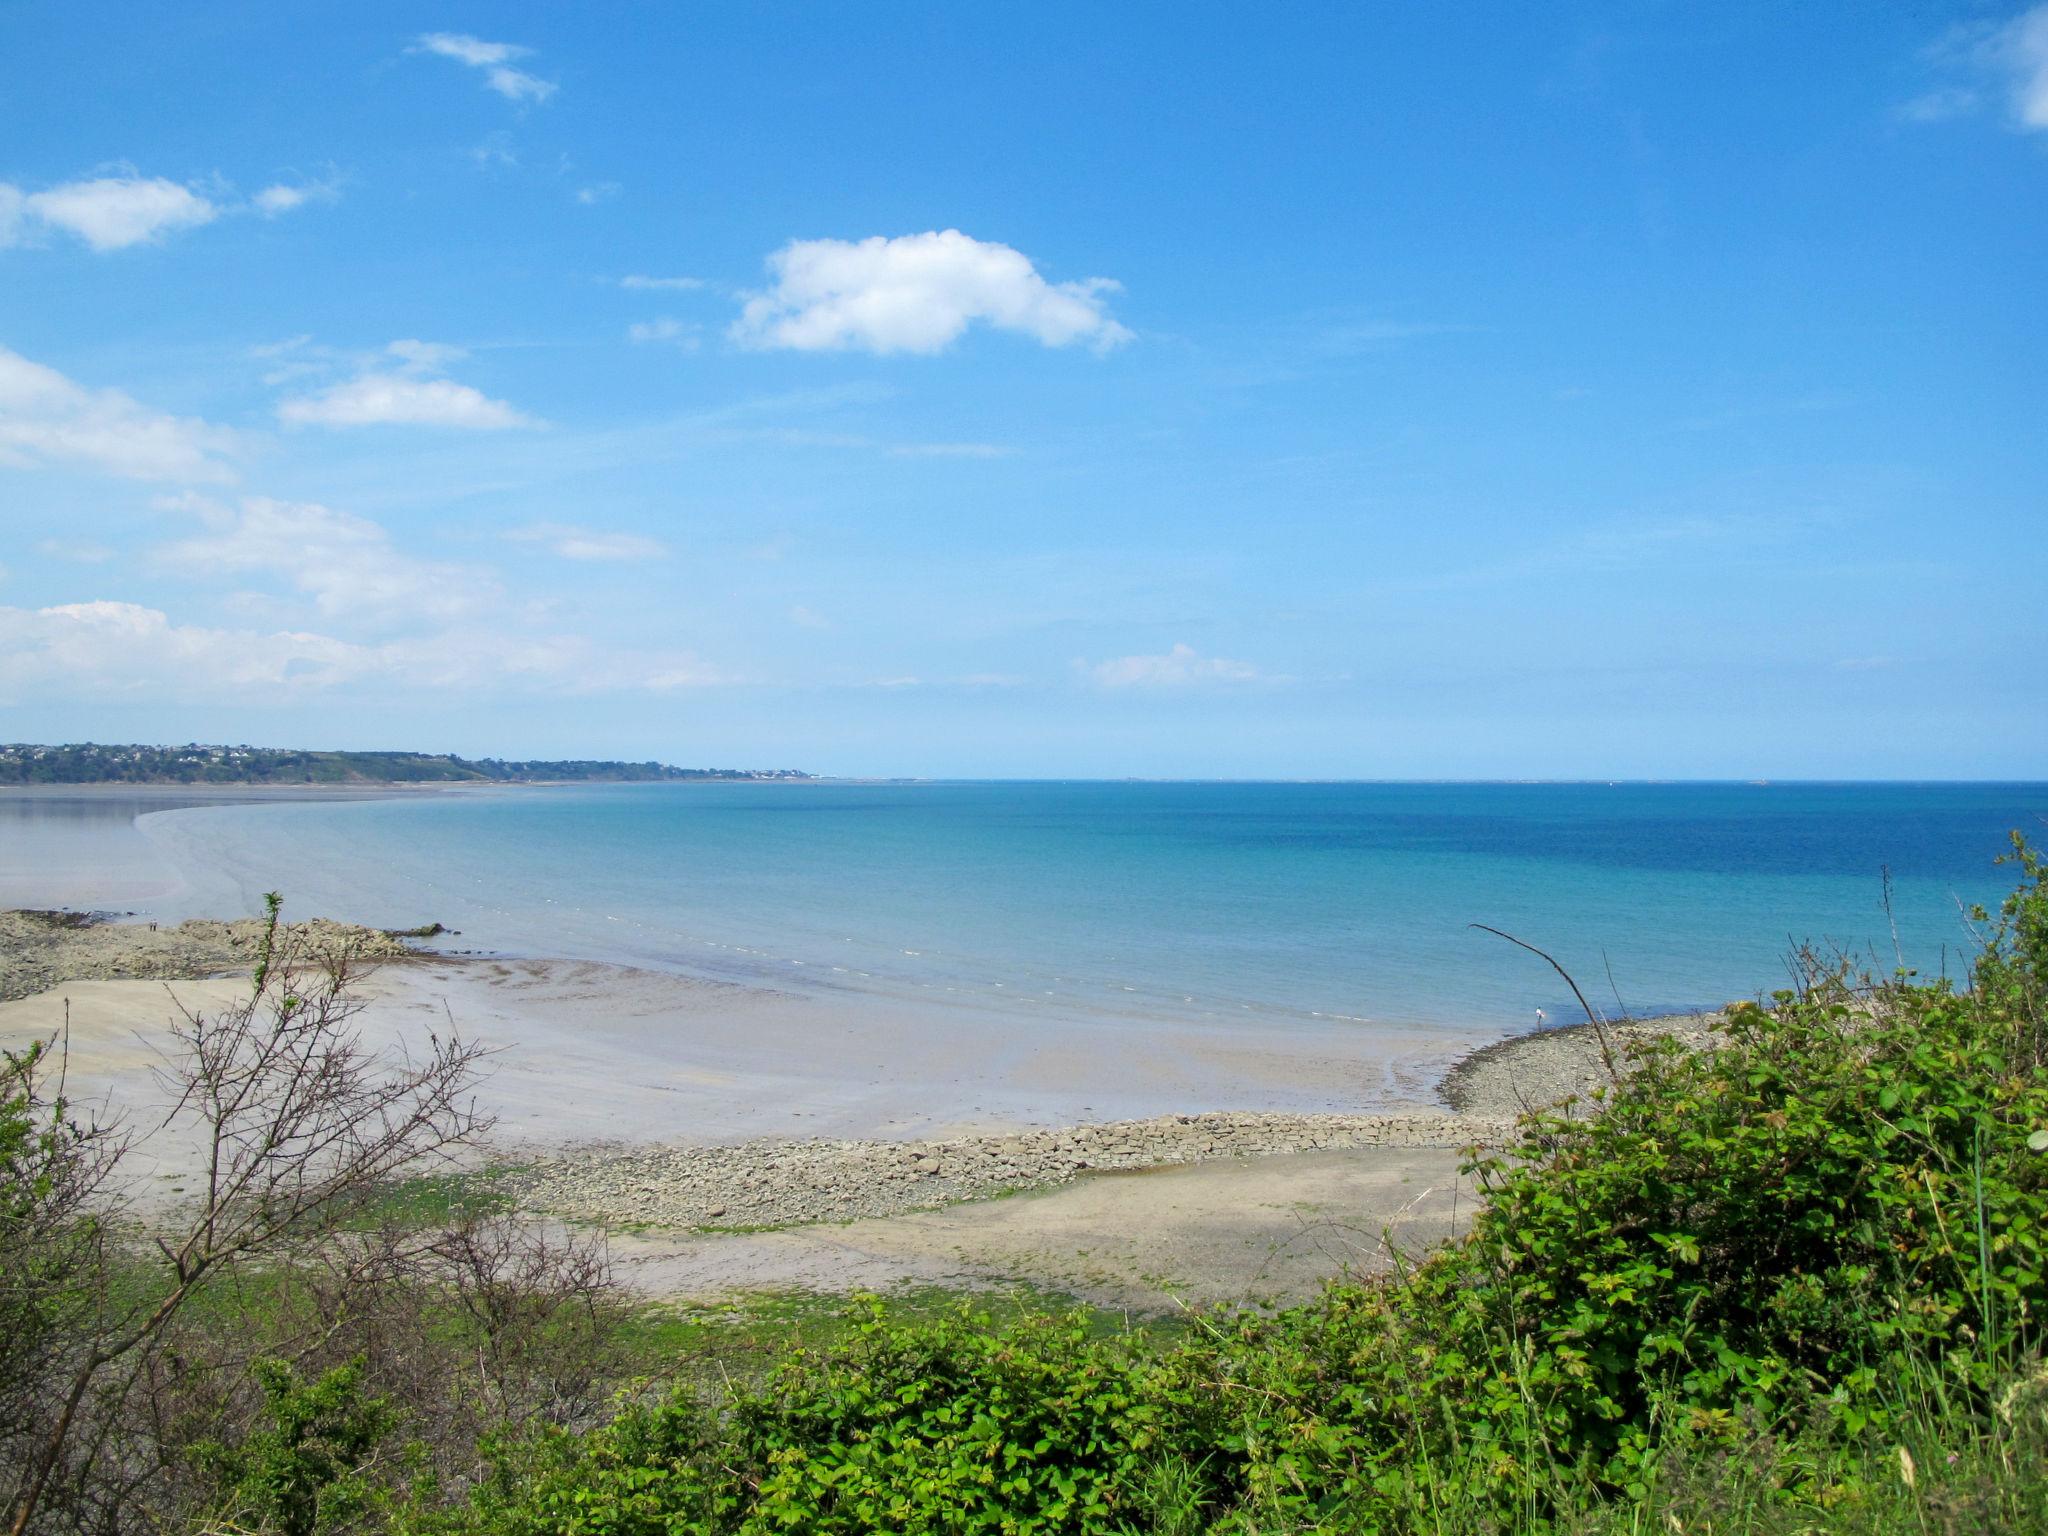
{"points": [[1348, 902]]}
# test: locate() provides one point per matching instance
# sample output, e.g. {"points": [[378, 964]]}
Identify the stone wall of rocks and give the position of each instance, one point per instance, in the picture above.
{"points": [[785, 1183]]}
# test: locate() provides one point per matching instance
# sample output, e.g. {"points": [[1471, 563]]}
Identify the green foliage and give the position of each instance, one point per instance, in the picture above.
{"points": [[310, 1469], [948, 1424], [51, 1238], [2012, 972]]}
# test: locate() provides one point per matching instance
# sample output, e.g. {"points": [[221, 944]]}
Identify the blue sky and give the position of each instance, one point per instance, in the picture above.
{"points": [[1319, 390]]}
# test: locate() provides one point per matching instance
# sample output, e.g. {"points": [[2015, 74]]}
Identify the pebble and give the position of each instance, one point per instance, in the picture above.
{"points": [[792, 1182]]}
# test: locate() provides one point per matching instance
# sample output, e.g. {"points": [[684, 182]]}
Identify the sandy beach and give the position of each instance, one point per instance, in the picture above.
{"points": [[737, 1138]]}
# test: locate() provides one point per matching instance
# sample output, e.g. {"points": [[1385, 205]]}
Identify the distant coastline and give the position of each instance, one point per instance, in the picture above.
{"points": [[83, 764]]}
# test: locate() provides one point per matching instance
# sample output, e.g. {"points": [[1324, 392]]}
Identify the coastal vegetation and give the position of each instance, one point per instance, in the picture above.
{"points": [[1792, 1281], [91, 763]]}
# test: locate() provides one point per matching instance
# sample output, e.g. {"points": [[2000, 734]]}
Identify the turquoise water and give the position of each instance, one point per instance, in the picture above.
{"points": [[1342, 902]]}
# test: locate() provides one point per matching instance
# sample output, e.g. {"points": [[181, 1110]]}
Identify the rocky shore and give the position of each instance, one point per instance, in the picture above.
{"points": [[786, 1183], [1526, 1072], [43, 950]]}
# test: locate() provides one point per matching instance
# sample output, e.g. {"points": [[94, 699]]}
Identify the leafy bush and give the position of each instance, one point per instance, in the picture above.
{"points": [[312, 1466]]}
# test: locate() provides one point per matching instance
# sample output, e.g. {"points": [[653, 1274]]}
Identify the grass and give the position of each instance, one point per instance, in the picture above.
{"points": [[746, 1335], [435, 1199]]}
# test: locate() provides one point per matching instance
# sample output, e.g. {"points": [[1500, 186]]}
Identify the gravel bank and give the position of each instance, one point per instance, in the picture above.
{"points": [[42, 950], [1537, 1071], [784, 1183]]}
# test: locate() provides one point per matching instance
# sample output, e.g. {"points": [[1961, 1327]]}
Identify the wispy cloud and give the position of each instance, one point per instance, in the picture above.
{"points": [[47, 420], [116, 211], [918, 293], [641, 283], [113, 649], [109, 213], [1996, 63], [347, 565], [950, 451], [286, 196], [494, 60], [2022, 50], [1941, 105], [1181, 666], [570, 542], [110, 649], [671, 332], [405, 390]]}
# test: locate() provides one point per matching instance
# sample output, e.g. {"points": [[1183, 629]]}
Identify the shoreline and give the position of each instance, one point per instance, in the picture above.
{"points": [[43, 950], [729, 1140], [1543, 1068]]}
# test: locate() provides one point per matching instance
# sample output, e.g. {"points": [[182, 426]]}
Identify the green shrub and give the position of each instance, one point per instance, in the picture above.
{"points": [[313, 1467]]}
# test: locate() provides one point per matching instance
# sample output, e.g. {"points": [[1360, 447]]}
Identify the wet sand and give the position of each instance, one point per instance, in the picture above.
{"points": [[594, 1061], [76, 845]]}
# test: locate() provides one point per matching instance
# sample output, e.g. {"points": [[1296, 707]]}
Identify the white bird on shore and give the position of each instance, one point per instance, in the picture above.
{"points": [[1540, 1019]]}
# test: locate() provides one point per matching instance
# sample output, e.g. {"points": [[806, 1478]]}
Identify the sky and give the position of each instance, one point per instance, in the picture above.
{"points": [[1175, 390]]}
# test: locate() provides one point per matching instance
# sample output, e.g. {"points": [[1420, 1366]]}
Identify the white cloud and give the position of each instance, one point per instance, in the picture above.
{"points": [[673, 332], [346, 564], [495, 149], [405, 394], [950, 451], [396, 399], [122, 648], [1939, 106], [1180, 667], [284, 197], [280, 198], [48, 420], [2022, 49], [117, 649], [917, 293], [641, 283], [588, 544], [425, 356], [107, 213], [495, 60], [431, 625], [598, 192], [473, 51], [686, 672], [110, 213], [2008, 60]]}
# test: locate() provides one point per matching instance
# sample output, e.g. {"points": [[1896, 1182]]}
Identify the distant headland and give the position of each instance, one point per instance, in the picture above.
{"points": [[93, 763]]}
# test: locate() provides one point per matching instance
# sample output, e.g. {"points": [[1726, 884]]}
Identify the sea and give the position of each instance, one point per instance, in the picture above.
{"points": [[1341, 904]]}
